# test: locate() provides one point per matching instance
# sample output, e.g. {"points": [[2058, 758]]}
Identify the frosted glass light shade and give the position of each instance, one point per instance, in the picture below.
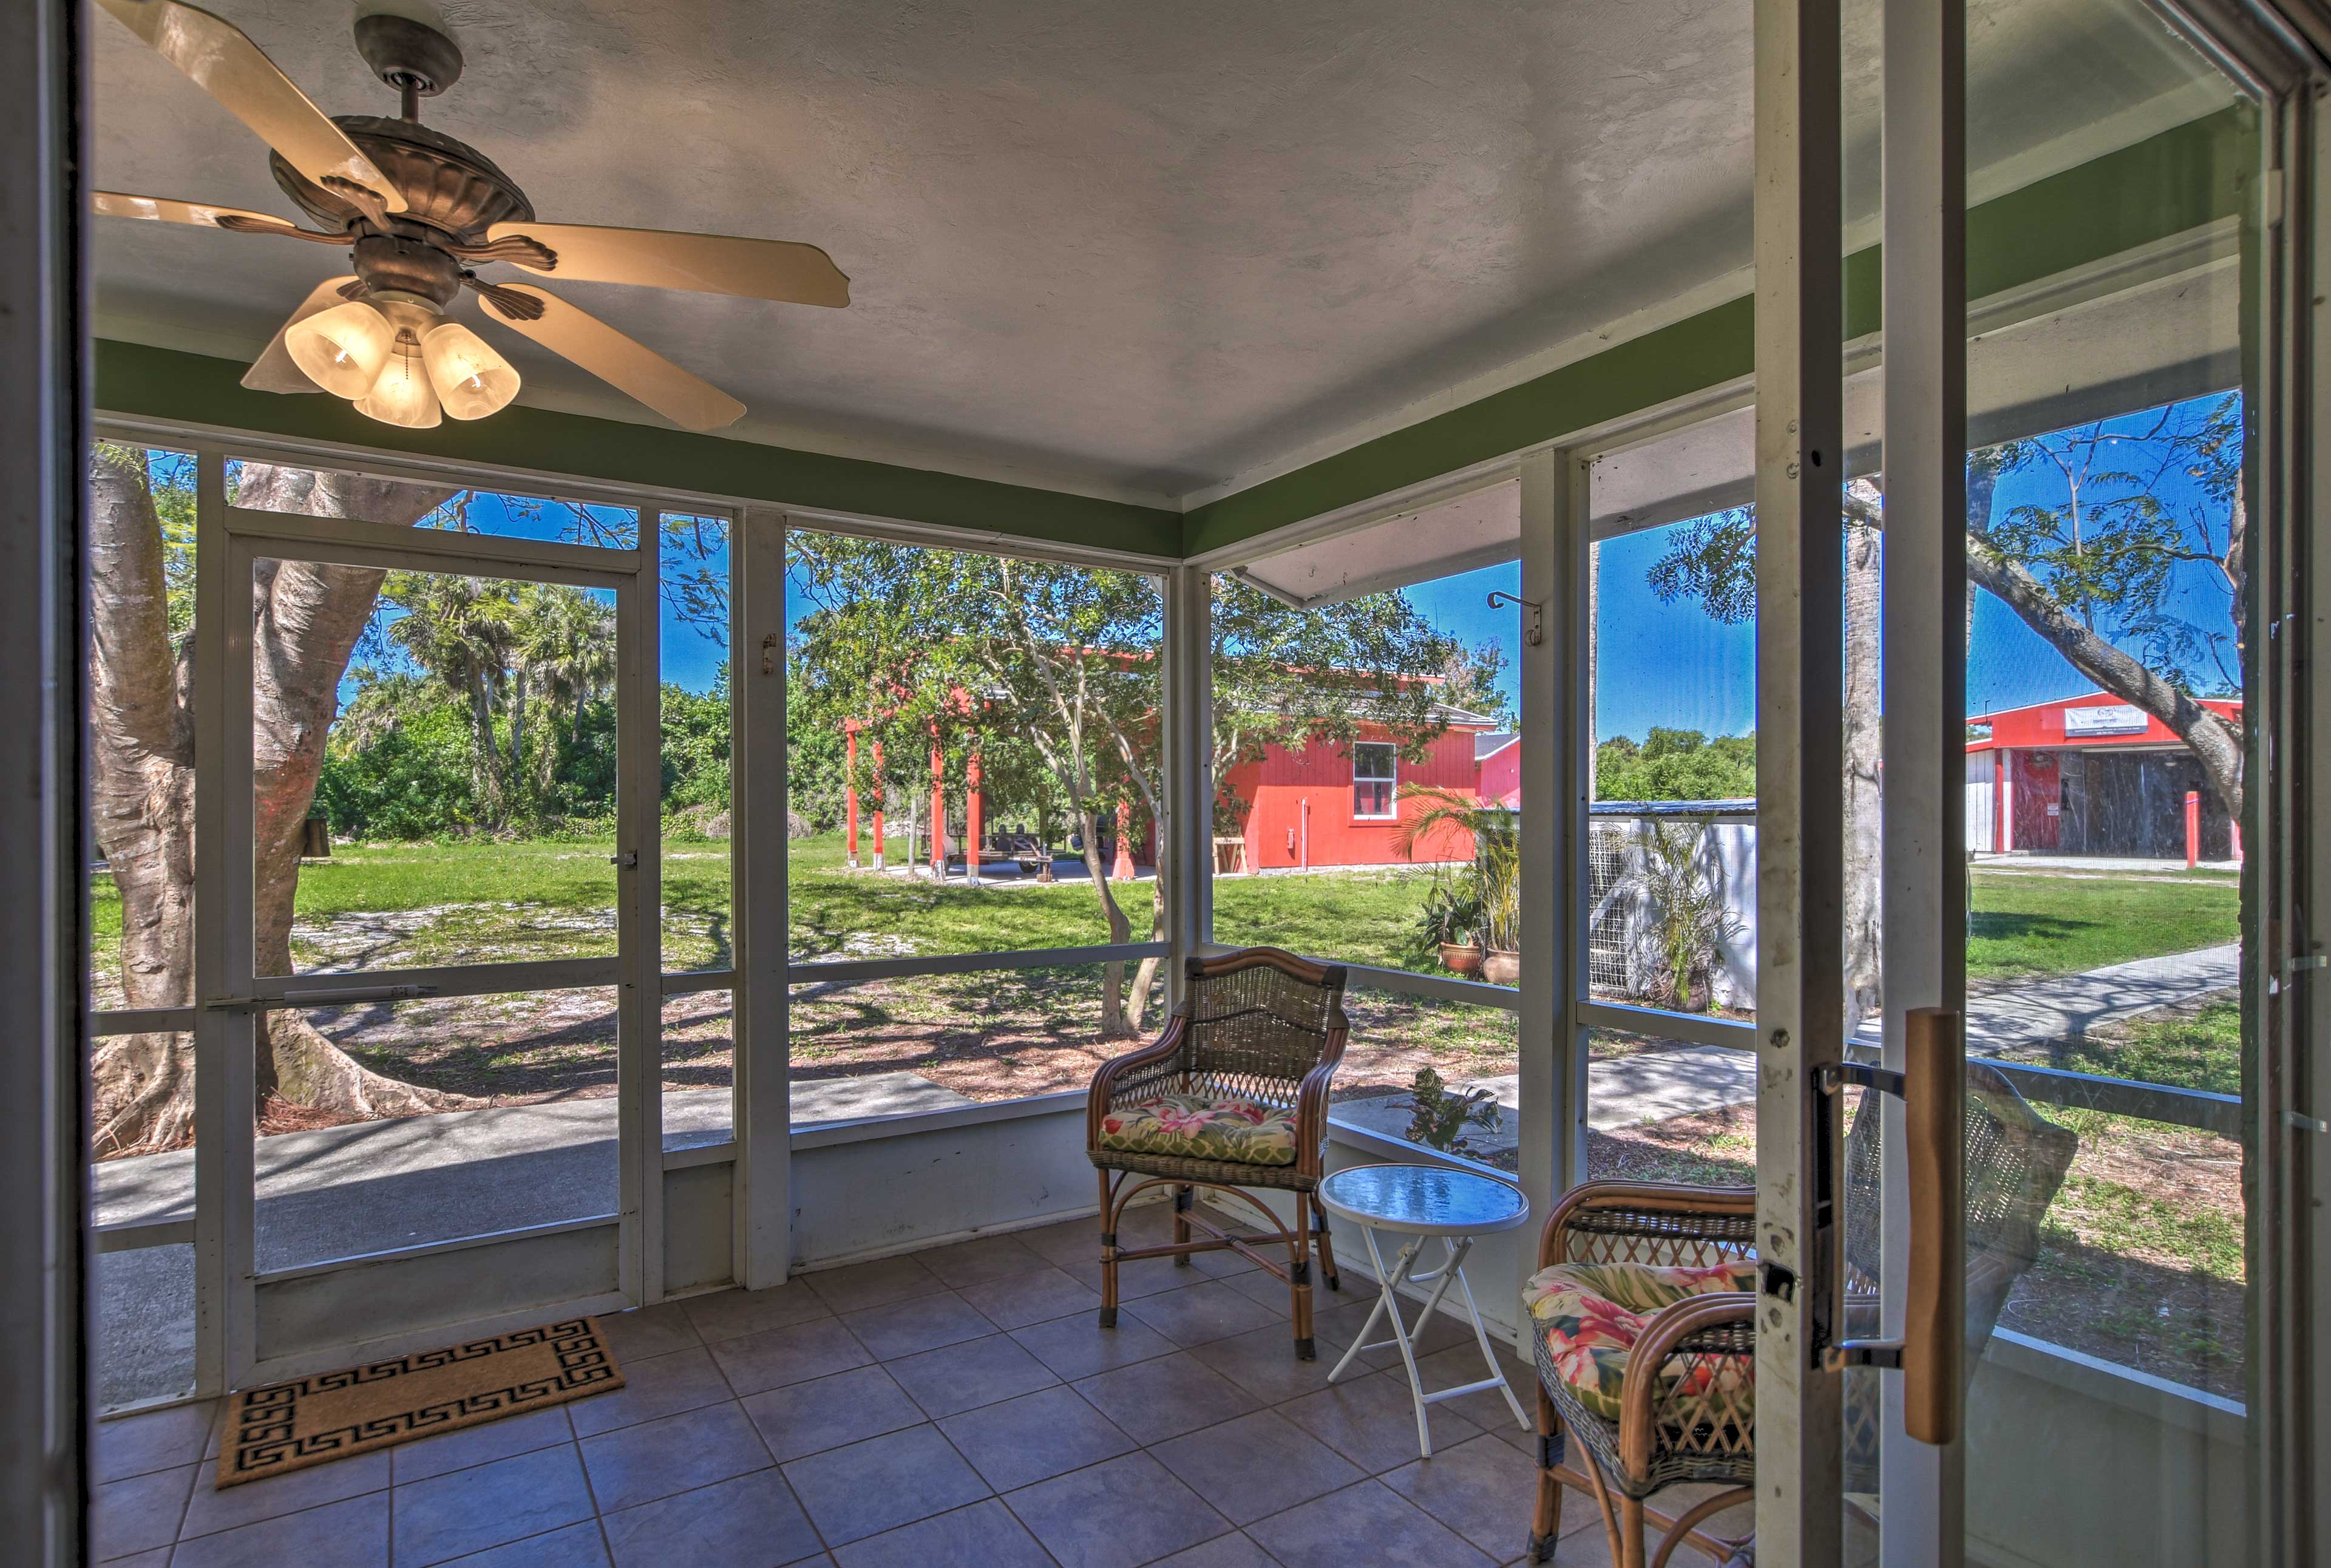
{"points": [[471, 378], [343, 350], [402, 394]]}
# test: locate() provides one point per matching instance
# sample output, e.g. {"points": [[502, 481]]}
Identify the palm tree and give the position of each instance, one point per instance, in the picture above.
{"points": [[1495, 869]]}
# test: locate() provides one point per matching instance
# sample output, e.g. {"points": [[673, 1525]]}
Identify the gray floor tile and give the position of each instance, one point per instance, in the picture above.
{"points": [[983, 1535], [655, 1385], [1157, 1400], [1032, 1296], [1237, 1550], [678, 1453], [650, 1331], [750, 1521], [1075, 1347], [825, 1412], [1368, 1523], [1371, 1420], [1256, 1466], [1482, 1490], [730, 1312], [140, 1513], [575, 1547], [1269, 1290], [981, 1259], [1199, 1313], [450, 1515], [487, 1440], [925, 1323], [1116, 1514], [1034, 1437], [160, 1558], [1069, 1241], [961, 1377], [796, 1353], [155, 1440], [214, 1508], [1263, 1361], [882, 1483], [349, 1534], [876, 1284], [1141, 1277]]}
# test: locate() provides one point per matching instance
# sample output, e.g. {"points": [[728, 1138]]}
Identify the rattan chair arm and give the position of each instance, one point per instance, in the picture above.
{"points": [[1667, 1197], [1311, 1103], [1639, 1407], [1164, 1049]]}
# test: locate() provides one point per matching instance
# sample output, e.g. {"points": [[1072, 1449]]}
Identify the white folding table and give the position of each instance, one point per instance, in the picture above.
{"points": [[1422, 1203]]}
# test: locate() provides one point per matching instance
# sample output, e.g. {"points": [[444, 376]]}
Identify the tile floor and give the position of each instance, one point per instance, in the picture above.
{"points": [[960, 1406]]}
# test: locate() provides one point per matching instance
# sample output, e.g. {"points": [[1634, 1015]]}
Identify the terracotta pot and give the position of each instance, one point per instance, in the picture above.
{"points": [[1502, 967], [1461, 959]]}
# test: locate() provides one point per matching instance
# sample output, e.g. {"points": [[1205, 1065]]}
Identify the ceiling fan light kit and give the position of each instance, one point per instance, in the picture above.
{"points": [[419, 211]]}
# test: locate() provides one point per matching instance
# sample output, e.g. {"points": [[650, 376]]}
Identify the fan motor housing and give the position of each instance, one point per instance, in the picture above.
{"points": [[449, 186]]}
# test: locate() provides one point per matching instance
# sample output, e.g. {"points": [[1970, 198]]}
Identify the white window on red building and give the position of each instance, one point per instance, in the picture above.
{"points": [[1374, 765]]}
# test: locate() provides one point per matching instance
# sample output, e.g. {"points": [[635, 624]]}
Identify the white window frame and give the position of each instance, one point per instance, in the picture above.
{"points": [[1391, 779]]}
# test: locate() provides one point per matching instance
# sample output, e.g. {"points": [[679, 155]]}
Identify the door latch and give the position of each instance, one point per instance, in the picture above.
{"points": [[627, 859]]}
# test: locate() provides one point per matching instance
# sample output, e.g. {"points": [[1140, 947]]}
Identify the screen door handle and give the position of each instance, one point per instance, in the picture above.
{"points": [[1933, 1338]]}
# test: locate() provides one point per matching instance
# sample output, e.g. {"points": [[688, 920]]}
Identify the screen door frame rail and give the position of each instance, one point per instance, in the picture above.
{"points": [[230, 540]]}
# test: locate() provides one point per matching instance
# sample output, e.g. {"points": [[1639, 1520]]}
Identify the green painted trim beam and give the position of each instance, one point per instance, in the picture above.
{"points": [[138, 382], [2179, 180]]}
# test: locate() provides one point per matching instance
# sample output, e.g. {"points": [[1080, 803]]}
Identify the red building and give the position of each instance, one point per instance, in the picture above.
{"points": [[2092, 776], [1325, 804], [1328, 804]]}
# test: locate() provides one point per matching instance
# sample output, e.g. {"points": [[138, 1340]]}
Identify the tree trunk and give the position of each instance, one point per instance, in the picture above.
{"points": [[1113, 1024], [305, 625], [1865, 820]]}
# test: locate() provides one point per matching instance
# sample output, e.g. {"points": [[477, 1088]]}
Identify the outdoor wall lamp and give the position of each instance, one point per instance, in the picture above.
{"points": [[401, 362]]}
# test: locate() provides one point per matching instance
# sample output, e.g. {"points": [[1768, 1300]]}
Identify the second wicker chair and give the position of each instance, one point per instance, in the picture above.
{"points": [[1233, 1095]]}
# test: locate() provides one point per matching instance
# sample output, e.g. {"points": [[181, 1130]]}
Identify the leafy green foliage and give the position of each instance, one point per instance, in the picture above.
{"points": [[1675, 764], [1438, 1115]]}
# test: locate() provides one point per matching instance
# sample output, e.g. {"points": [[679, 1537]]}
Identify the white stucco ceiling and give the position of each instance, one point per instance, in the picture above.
{"points": [[1138, 250]]}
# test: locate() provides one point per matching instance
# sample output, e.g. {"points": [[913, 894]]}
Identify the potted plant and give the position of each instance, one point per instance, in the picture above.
{"points": [[1492, 878], [1451, 920]]}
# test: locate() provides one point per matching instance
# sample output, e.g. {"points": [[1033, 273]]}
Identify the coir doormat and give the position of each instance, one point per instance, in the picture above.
{"points": [[291, 1425]]}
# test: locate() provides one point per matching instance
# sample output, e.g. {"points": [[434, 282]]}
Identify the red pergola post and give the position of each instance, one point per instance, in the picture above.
{"points": [[878, 805], [971, 824], [939, 815], [2192, 829], [1123, 871], [849, 787]]}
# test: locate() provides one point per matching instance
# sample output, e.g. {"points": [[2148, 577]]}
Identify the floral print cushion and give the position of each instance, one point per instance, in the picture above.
{"points": [[1591, 1314], [1202, 1126]]}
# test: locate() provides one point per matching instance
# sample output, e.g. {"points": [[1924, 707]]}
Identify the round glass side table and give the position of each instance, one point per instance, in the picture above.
{"points": [[1423, 1203]]}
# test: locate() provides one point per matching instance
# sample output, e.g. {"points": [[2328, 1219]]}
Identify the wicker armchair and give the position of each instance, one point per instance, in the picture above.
{"points": [[1233, 1095], [1692, 1417]]}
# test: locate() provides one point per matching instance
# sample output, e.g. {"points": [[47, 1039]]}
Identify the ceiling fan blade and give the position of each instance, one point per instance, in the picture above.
{"points": [[624, 363], [705, 263], [165, 209], [218, 57], [273, 371]]}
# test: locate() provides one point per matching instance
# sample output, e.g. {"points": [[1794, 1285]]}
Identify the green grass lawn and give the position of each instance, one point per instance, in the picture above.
{"points": [[549, 898], [2024, 924]]}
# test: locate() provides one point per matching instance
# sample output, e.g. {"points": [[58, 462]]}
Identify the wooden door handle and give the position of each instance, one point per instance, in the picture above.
{"points": [[1934, 1337]]}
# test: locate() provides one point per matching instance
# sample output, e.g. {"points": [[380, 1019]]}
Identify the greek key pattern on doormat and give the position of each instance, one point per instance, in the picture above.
{"points": [[334, 1414]]}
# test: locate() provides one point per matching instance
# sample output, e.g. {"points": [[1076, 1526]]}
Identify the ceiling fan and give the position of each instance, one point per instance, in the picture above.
{"points": [[419, 211]]}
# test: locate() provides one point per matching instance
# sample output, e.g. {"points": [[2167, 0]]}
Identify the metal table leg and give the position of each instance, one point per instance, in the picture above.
{"points": [[1404, 1272]]}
